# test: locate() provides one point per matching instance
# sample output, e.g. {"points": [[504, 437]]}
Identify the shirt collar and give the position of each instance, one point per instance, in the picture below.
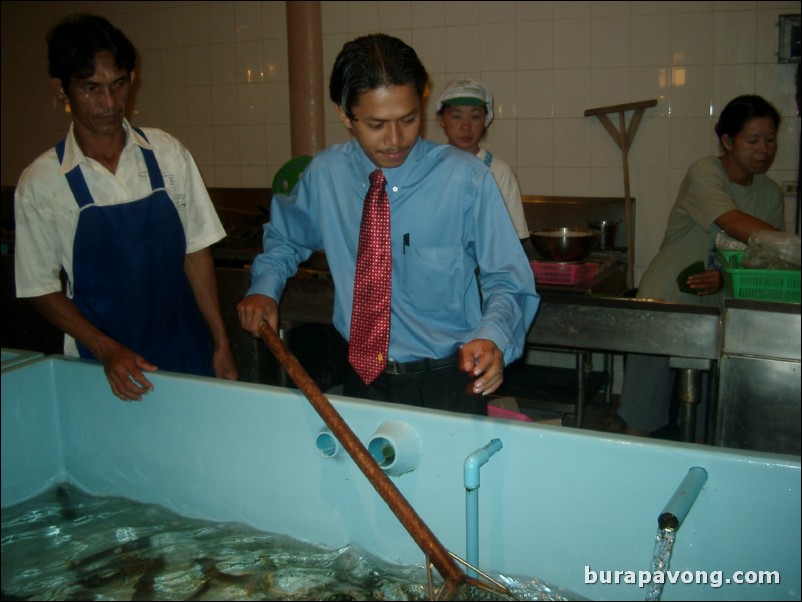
{"points": [[73, 155]]}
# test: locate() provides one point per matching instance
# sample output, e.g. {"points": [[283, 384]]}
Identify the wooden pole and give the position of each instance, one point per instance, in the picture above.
{"points": [[435, 552], [623, 137]]}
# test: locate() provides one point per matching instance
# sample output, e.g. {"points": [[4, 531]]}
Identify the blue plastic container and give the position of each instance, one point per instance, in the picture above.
{"points": [[556, 503]]}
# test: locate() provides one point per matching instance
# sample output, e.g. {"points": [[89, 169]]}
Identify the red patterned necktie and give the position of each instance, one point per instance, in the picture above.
{"points": [[370, 315]]}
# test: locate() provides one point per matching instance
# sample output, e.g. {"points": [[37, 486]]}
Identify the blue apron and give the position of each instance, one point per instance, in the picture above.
{"points": [[128, 275]]}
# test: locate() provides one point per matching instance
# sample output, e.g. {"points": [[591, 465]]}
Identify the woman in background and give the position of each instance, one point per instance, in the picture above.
{"points": [[721, 203]]}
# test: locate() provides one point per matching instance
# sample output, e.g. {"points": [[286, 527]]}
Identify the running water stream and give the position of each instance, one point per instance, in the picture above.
{"points": [[663, 545]]}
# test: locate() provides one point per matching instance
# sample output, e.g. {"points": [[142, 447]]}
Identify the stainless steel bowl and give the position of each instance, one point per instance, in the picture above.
{"points": [[564, 244]]}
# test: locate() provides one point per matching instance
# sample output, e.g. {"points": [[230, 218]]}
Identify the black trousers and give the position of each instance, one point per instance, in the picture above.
{"points": [[446, 388]]}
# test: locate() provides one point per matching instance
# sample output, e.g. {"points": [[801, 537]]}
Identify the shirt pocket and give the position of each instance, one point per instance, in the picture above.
{"points": [[432, 279]]}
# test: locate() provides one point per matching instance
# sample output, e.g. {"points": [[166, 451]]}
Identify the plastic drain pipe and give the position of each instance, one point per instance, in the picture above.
{"points": [[473, 463], [680, 503]]}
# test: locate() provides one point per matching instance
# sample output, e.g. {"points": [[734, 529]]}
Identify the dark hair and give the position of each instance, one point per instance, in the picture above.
{"points": [[73, 43], [371, 62], [740, 110]]}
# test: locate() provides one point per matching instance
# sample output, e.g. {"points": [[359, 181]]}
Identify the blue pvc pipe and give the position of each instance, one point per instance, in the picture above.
{"points": [[680, 503], [473, 463]]}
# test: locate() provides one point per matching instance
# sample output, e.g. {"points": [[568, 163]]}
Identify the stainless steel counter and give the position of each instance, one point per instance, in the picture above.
{"points": [[626, 326], [756, 343], [759, 394], [688, 335]]}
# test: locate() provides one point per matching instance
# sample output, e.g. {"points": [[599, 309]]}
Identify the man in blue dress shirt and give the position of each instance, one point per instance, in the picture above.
{"points": [[463, 293]]}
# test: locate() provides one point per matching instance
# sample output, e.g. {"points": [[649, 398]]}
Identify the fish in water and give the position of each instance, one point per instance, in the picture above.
{"points": [[85, 564], [81, 595], [145, 588], [210, 570], [68, 511], [112, 564], [117, 571], [213, 576], [205, 586]]}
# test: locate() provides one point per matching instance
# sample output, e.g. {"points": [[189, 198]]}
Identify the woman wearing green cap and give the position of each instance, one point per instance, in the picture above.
{"points": [[465, 110]]}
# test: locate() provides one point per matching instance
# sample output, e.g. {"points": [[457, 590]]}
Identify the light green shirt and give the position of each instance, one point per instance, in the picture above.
{"points": [[706, 194]]}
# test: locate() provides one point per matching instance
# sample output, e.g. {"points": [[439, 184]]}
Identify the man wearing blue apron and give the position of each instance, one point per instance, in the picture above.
{"points": [[130, 231]]}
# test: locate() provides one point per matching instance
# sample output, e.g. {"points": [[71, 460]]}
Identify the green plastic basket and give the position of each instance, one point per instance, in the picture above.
{"points": [[762, 285]]}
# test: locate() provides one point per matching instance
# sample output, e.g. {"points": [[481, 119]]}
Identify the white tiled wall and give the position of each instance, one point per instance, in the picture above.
{"points": [[215, 75]]}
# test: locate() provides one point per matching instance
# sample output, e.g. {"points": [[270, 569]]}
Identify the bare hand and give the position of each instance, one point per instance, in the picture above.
{"points": [[253, 310], [125, 371], [706, 283], [224, 364], [482, 359]]}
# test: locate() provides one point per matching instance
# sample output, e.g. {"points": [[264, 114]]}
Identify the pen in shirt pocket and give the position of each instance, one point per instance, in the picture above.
{"points": [[406, 242]]}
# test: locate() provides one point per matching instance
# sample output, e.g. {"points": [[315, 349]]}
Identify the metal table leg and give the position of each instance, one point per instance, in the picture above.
{"points": [[689, 387], [581, 377], [609, 366], [584, 368]]}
